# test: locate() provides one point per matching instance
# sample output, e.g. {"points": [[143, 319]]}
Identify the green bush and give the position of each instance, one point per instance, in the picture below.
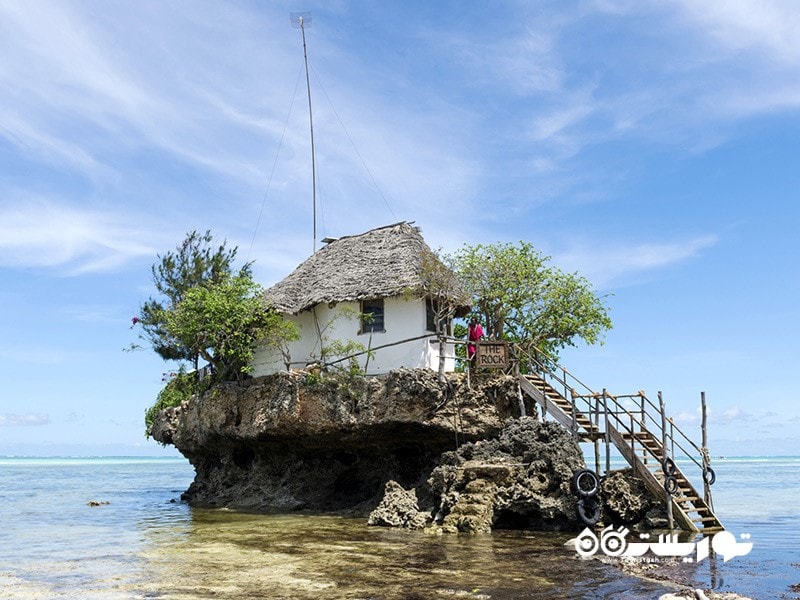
{"points": [[181, 387]]}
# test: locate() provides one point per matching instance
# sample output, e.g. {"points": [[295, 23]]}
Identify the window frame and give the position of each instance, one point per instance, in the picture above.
{"points": [[378, 324]]}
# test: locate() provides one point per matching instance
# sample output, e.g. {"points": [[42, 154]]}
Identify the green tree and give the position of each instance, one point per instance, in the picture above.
{"points": [[223, 321], [197, 261], [443, 293], [520, 297]]}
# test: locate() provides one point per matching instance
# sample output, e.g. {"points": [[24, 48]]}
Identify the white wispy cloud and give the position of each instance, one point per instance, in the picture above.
{"points": [[727, 415], [68, 71], [768, 28], [613, 263], [26, 420], [40, 233], [712, 65]]}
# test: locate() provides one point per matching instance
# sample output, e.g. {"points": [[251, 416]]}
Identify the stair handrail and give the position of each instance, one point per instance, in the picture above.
{"points": [[676, 441], [647, 416], [566, 380]]}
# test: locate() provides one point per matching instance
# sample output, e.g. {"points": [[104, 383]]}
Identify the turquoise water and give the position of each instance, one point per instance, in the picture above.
{"points": [[139, 542], [759, 496]]}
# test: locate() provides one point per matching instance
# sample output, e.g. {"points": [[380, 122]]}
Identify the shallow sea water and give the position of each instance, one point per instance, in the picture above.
{"points": [[145, 544]]}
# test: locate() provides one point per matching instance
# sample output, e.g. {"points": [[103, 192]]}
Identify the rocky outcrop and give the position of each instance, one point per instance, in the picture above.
{"points": [[626, 500], [287, 442], [415, 451], [399, 508], [519, 479]]}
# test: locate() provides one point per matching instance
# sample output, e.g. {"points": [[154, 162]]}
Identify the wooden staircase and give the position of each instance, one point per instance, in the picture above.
{"points": [[596, 418], [559, 408]]}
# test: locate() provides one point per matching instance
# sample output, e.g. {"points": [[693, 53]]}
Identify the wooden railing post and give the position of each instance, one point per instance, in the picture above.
{"points": [[672, 437], [522, 411], [596, 436], [633, 437], [608, 431], [643, 427], [667, 495], [704, 449], [574, 419]]}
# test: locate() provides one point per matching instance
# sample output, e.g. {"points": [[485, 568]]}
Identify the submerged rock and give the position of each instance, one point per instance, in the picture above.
{"points": [[399, 508]]}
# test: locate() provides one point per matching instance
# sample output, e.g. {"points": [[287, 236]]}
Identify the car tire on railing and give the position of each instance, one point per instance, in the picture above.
{"points": [[709, 476], [671, 485], [585, 483], [669, 467], [588, 511]]}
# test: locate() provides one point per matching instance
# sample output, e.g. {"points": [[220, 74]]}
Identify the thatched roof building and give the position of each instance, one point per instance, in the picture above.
{"points": [[381, 263]]}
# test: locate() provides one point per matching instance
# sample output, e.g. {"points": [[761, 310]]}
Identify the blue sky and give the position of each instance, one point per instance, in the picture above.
{"points": [[650, 146]]}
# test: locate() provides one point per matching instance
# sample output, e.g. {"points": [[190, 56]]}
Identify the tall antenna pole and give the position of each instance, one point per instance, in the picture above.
{"points": [[300, 20]]}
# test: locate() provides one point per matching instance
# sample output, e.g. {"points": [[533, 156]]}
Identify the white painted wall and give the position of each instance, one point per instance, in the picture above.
{"points": [[403, 319]]}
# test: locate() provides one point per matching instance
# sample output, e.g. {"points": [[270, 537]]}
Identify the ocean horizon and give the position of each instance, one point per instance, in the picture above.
{"points": [[114, 527]]}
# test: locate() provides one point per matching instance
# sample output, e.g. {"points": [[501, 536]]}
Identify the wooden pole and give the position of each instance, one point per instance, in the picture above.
{"points": [[608, 432], [667, 496], [574, 421], [597, 435], [522, 411], [704, 447], [643, 425]]}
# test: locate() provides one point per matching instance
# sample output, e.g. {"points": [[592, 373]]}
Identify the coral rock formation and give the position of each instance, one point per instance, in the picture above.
{"points": [[284, 442], [519, 479]]}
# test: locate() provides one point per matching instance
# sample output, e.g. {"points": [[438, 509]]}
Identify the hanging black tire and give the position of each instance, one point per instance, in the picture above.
{"points": [[709, 476], [671, 485], [669, 467], [585, 483], [588, 511]]}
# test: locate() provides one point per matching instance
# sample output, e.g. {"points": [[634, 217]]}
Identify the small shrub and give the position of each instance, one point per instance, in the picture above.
{"points": [[181, 387]]}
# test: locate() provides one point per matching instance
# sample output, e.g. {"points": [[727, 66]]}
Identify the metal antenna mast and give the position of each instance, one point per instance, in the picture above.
{"points": [[301, 20]]}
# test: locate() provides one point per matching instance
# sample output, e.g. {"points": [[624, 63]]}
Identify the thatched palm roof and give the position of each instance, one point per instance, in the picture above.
{"points": [[380, 263]]}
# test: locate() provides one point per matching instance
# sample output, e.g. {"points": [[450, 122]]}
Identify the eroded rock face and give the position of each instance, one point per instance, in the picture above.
{"points": [[519, 479], [625, 498], [399, 508], [278, 442]]}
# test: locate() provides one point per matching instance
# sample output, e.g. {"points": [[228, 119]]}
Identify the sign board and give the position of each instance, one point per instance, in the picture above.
{"points": [[492, 355]]}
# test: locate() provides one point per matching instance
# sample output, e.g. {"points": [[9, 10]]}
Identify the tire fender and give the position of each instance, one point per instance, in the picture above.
{"points": [[585, 483], [588, 511], [709, 476], [671, 485]]}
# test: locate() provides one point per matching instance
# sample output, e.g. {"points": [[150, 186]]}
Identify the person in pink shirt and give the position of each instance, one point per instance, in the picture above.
{"points": [[475, 333]]}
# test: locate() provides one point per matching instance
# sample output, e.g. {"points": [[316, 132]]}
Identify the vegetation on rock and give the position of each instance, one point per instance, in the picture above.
{"points": [[178, 389], [195, 262], [206, 310], [520, 297]]}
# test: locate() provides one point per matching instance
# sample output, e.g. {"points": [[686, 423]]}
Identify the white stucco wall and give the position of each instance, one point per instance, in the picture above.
{"points": [[402, 320]]}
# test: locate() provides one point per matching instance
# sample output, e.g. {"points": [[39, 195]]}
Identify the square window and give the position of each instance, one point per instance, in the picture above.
{"points": [[372, 316]]}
